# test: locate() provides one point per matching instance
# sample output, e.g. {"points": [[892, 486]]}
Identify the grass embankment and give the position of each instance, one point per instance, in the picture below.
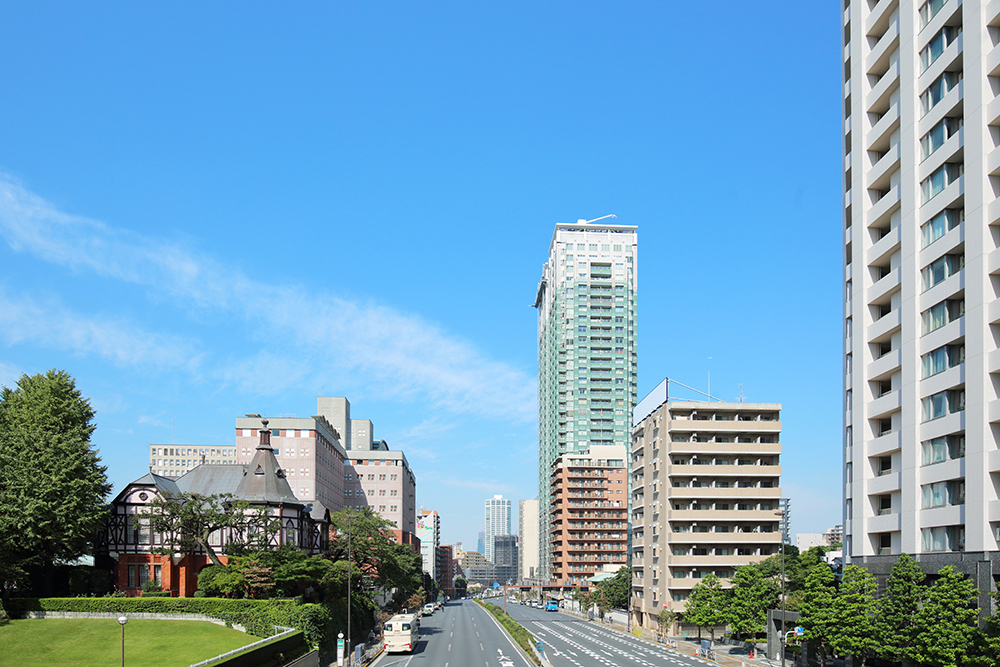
{"points": [[514, 629], [97, 642]]}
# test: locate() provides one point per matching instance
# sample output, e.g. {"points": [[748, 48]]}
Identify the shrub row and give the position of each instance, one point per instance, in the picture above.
{"points": [[258, 616], [514, 629]]}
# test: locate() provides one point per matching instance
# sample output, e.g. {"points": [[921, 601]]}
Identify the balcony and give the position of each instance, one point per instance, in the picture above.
{"points": [[723, 515], [880, 212], [726, 471], [879, 56], [883, 405], [722, 493], [885, 523], [731, 448], [880, 92], [884, 325], [884, 127], [884, 444], [885, 287], [881, 172]]}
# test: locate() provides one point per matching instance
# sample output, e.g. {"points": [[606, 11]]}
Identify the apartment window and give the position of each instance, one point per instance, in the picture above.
{"points": [[939, 134], [941, 268], [942, 403], [941, 449], [940, 87], [929, 10], [937, 45], [943, 538], [941, 359], [942, 177], [941, 494], [941, 314], [941, 223]]}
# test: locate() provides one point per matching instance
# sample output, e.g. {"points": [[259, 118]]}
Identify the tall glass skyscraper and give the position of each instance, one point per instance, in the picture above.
{"points": [[586, 303]]}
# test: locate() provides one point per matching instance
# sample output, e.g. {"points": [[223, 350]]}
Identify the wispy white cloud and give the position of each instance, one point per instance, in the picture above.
{"points": [[49, 323], [9, 375], [400, 354]]}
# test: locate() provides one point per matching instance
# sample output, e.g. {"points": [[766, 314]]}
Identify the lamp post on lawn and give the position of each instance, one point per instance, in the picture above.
{"points": [[123, 621]]}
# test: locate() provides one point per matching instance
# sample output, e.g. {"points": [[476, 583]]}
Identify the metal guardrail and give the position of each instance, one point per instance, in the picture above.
{"points": [[228, 654]]}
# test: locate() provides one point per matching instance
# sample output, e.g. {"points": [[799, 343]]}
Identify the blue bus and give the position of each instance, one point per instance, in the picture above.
{"points": [[551, 605]]}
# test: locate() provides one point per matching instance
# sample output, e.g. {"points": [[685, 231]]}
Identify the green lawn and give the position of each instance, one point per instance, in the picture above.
{"points": [[97, 642]]}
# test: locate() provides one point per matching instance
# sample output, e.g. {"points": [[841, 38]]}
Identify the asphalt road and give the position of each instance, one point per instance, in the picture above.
{"points": [[574, 642], [460, 634]]}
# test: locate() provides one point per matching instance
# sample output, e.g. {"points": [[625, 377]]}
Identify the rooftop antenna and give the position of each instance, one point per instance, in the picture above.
{"points": [[173, 430], [587, 222], [710, 378], [741, 393]]}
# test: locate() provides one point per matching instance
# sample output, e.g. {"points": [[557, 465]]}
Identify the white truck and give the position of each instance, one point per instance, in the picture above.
{"points": [[401, 633]]}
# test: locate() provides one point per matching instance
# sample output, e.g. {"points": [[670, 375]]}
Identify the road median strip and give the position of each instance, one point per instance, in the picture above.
{"points": [[515, 630]]}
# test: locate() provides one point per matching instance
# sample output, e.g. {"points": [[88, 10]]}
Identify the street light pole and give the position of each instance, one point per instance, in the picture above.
{"points": [[122, 620], [783, 513], [350, 566]]}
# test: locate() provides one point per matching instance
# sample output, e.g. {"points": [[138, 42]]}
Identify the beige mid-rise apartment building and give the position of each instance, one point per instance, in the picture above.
{"points": [[319, 467], [921, 238], [705, 492], [588, 519], [176, 460]]}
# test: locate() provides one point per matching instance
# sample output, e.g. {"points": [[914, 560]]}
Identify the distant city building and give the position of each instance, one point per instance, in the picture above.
{"points": [[835, 536], [505, 567], [921, 327], [175, 460], [804, 541], [382, 479], [497, 522], [467, 559], [445, 571], [481, 543], [429, 534], [587, 364], [589, 513], [527, 532], [705, 490]]}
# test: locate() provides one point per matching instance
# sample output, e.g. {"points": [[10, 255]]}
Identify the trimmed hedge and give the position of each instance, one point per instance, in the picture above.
{"points": [[258, 616], [514, 629]]}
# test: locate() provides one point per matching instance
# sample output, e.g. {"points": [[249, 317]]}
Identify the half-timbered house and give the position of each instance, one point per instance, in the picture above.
{"points": [[135, 555]]}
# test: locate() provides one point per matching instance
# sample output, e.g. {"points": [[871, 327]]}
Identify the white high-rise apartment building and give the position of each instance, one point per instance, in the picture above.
{"points": [[527, 537], [921, 283], [429, 534], [587, 368], [497, 521]]}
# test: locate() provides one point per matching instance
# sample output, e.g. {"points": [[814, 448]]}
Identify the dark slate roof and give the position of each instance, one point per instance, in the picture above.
{"points": [[167, 486], [264, 481], [211, 478]]}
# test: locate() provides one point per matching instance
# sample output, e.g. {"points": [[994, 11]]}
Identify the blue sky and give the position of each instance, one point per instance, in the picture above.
{"points": [[208, 209]]}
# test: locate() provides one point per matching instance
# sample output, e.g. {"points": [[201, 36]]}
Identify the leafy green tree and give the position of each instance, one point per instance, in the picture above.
{"points": [[53, 488], [818, 619], [617, 588], [896, 626], [665, 618], [461, 585], [853, 631], [708, 605], [750, 597], [947, 620], [374, 550], [187, 520]]}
